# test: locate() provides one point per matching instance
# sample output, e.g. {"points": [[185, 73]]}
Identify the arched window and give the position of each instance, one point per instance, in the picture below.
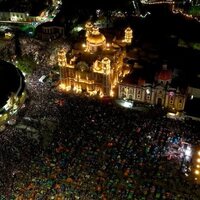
{"points": [[130, 97]]}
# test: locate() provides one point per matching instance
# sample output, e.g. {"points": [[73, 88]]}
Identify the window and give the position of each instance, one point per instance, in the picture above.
{"points": [[171, 98], [126, 89], [123, 95]]}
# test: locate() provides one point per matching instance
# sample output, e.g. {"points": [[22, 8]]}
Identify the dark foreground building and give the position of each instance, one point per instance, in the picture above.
{"points": [[12, 85]]}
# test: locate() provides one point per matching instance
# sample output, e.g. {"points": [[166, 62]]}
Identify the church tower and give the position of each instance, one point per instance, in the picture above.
{"points": [[62, 62], [106, 79], [128, 35], [88, 28]]}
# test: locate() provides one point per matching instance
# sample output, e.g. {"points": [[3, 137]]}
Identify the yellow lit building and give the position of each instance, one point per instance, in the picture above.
{"points": [[196, 165], [95, 67], [128, 36], [9, 35]]}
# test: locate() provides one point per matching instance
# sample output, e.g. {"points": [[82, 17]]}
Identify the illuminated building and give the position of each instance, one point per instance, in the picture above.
{"points": [[95, 67], [8, 35], [156, 94], [196, 164], [88, 29], [13, 16], [95, 40], [128, 35], [12, 91]]}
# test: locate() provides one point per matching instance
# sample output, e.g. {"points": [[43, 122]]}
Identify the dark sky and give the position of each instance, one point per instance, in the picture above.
{"points": [[73, 4], [33, 7], [96, 3]]}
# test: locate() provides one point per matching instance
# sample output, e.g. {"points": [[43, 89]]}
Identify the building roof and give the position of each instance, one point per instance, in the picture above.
{"points": [[9, 81], [139, 76], [89, 58], [165, 74], [96, 39]]}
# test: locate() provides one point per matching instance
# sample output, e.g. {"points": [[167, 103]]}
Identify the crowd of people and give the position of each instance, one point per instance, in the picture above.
{"points": [[97, 151], [91, 149]]}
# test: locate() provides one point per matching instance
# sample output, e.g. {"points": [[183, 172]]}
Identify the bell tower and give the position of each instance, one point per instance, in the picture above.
{"points": [[62, 62], [106, 76], [128, 35], [88, 28]]}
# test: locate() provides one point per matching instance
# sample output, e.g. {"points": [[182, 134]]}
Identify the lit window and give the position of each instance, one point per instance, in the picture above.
{"points": [[196, 172]]}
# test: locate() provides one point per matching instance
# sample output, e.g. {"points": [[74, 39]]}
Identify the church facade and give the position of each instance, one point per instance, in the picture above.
{"points": [[159, 93], [156, 95]]}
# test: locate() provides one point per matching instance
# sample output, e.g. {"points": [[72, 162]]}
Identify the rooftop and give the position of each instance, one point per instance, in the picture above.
{"points": [[9, 80]]}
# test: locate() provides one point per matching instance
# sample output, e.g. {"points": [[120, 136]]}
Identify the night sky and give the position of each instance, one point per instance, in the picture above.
{"points": [[33, 7]]}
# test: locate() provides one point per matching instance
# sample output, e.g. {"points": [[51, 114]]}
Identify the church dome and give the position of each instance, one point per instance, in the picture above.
{"points": [[96, 38], [11, 81], [165, 75]]}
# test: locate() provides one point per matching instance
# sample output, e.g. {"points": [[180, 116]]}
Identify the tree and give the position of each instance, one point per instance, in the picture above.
{"points": [[18, 50]]}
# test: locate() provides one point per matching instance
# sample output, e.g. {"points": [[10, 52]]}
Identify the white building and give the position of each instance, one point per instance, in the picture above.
{"points": [[155, 94]]}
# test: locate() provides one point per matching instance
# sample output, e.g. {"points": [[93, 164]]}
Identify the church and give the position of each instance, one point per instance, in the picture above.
{"points": [[157, 93], [95, 66]]}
